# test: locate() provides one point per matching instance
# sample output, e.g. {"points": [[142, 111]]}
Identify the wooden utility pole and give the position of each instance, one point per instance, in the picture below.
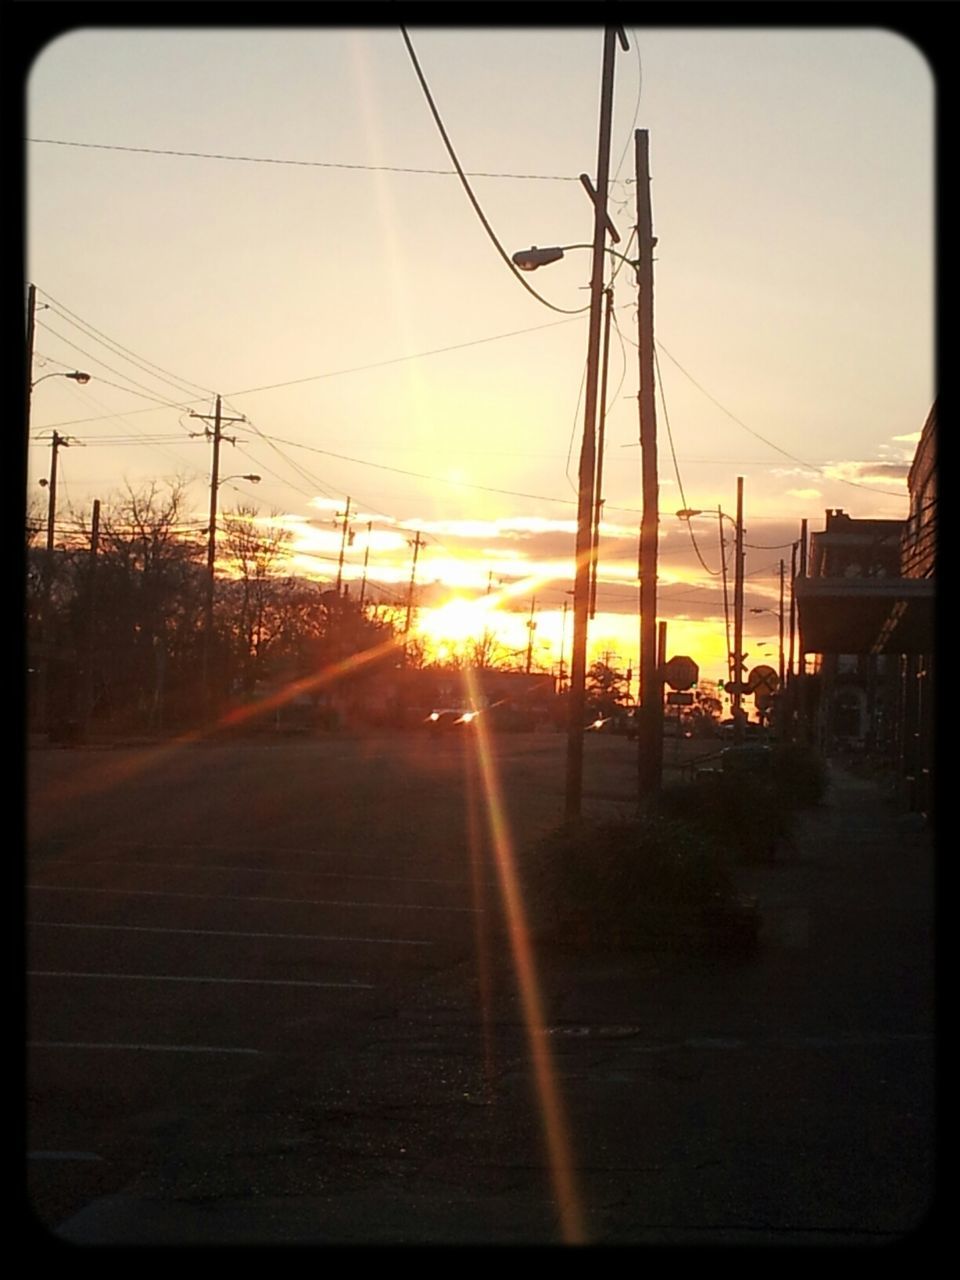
{"points": [[650, 710], [366, 561], [531, 628], [563, 645], [726, 600], [793, 608], [86, 708], [416, 543], [343, 543], [57, 443], [780, 612], [601, 431], [218, 421], [28, 390], [584, 539], [738, 620]]}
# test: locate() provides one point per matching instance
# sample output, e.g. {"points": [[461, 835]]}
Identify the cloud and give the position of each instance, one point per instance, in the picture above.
{"points": [[912, 437], [882, 472], [804, 493]]}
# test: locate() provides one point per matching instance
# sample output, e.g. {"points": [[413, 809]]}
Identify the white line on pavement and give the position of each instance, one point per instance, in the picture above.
{"points": [[274, 871], [230, 933], [249, 897], [64, 1155], [170, 977], [150, 1048]]}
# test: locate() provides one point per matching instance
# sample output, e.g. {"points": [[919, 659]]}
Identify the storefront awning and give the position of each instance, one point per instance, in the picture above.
{"points": [[865, 615]]}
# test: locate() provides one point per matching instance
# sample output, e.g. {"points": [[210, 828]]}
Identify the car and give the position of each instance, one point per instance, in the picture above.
{"points": [[447, 718], [751, 730], [602, 724]]}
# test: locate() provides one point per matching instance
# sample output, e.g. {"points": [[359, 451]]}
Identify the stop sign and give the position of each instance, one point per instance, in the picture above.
{"points": [[681, 673]]}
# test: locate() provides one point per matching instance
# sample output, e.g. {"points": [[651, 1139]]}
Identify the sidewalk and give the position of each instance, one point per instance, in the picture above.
{"points": [[787, 1099]]}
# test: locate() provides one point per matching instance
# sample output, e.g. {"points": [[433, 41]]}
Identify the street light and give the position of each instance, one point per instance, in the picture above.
{"points": [[532, 258], [737, 679], [77, 376], [778, 614]]}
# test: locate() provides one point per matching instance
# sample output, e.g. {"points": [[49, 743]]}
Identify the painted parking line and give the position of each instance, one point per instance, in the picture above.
{"points": [[276, 871], [171, 977], [140, 1048], [225, 848], [64, 1155], [251, 897], [231, 933]]}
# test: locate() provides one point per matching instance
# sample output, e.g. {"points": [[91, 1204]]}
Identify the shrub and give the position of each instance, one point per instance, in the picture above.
{"points": [[626, 883], [744, 818], [799, 774]]}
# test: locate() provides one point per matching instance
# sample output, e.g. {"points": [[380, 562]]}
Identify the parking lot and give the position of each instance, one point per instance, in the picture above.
{"points": [[270, 997], [209, 924]]}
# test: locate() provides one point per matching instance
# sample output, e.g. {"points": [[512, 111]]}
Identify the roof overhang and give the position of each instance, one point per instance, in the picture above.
{"points": [[865, 615]]}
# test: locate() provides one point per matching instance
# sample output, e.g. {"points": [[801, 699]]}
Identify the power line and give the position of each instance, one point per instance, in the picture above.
{"points": [[140, 362], [466, 186], [415, 355], [360, 368], [311, 164], [770, 443], [144, 391], [676, 467]]}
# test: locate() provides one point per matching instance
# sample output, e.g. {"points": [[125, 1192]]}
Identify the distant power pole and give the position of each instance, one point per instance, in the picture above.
{"points": [[89, 647], [366, 561], [57, 443], [343, 542], [531, 628], [218, 421], [416, 543], [781, 628], [738, 619], [563, 643]]}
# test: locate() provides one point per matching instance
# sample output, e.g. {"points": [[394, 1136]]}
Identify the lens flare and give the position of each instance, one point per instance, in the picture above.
{"points": [[552, 1113]]}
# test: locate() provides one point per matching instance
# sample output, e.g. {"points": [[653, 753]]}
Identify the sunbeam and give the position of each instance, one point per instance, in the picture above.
{"points": [[552, 1113]]}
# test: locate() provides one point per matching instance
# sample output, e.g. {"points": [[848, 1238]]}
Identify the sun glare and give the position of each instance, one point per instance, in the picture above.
{"points": [[457, 620]]}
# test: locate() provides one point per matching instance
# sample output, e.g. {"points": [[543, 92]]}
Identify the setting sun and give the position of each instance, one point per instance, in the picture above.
{"points": [[457, 620]]}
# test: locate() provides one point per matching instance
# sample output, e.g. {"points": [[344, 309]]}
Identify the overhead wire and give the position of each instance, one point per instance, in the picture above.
{"points": [[141, 362], [311, 164], [144, 391], [466, 186], [676, 467], [756, 434]]}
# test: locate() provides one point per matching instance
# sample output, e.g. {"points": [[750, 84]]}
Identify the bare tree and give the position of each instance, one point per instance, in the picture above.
{"points": [[151, 600], [257, 551]]}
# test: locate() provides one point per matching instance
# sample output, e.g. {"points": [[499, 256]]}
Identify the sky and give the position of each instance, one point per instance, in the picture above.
{"points": [[317, 263]]}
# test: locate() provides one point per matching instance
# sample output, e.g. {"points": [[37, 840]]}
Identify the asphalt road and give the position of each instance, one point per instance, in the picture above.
{"points": [[271, 996], [209, 923]]}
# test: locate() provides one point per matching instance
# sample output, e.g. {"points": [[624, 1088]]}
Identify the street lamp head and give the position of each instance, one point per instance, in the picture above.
{"points": [[76, 376], [688, 512], [252, 479], [530, 259]]}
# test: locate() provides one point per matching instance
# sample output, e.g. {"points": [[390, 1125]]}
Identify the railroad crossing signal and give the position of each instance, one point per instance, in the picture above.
{"points": [[762, 678]]}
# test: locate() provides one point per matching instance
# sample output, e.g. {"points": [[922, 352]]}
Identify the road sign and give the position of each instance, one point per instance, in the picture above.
{"points": [[679, 699], [762, 677], [681, 673], [734, 686]]}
